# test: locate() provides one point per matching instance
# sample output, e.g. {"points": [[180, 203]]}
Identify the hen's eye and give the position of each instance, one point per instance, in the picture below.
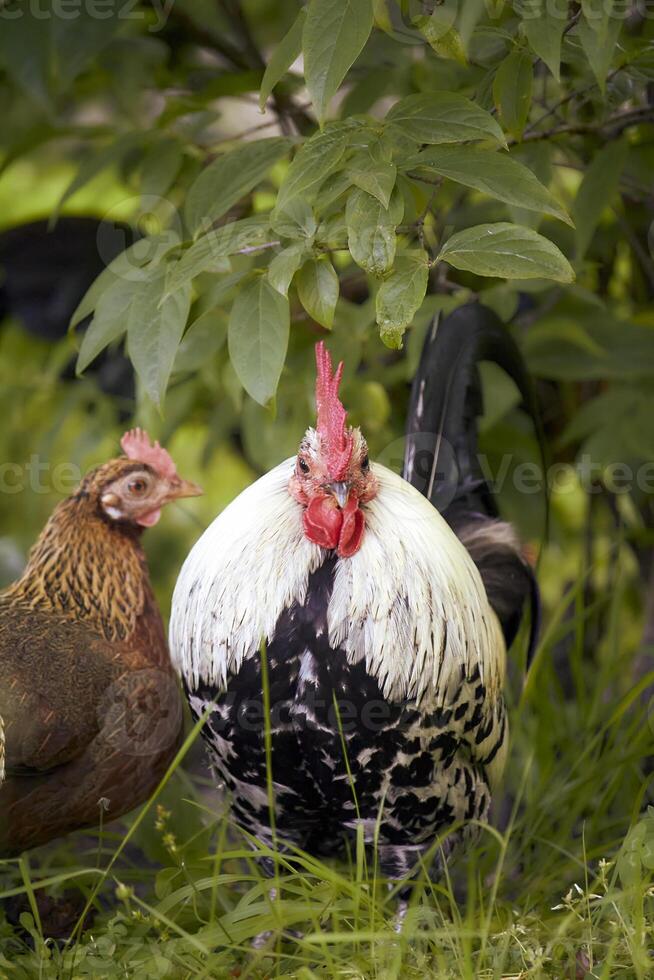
{"points": [[365, 462], [137, 486], [302, 463]]}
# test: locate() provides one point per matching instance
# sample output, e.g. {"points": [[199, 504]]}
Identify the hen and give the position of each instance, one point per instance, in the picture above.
{"points": [[91, 708], [384, 658]]}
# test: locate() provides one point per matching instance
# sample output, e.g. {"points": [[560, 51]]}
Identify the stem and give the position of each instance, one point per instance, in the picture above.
{"points": [[568, 98], [611, 129]]}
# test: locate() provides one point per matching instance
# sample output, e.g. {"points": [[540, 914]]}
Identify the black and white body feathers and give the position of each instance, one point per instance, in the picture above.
{"points": [[393, 654]]}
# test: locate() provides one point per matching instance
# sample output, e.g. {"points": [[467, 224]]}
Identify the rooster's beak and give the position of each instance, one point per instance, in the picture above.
{"points": [[184, 488], [340, 490]]}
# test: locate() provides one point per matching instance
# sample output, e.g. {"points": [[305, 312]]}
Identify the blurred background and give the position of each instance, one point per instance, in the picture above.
{"points": [[112, 120]]}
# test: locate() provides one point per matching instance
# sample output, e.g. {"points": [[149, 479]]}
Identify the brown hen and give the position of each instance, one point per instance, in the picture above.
{"points": [[91, 707]]}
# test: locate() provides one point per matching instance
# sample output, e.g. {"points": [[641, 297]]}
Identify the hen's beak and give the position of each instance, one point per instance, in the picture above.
{"points": [[184, 488], [340, 490]]}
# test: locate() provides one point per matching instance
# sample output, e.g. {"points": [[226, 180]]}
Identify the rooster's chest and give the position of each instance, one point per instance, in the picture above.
{"points": [[333, 735]]}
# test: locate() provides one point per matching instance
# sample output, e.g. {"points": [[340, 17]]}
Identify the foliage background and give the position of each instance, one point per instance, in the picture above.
{"points": [[367, 198]]}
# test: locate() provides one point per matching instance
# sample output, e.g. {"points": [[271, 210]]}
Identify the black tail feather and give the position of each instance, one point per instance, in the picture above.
{"points": [[442, 457]]}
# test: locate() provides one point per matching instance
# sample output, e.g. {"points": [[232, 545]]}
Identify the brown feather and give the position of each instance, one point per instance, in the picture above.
{"points": [[91, 706]]}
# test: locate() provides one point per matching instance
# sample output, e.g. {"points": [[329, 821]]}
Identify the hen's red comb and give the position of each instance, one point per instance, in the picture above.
{"points": [[336, 442], [137, 446]]}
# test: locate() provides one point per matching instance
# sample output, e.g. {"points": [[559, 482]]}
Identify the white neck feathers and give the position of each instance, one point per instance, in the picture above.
{"points": [[410, 602]]}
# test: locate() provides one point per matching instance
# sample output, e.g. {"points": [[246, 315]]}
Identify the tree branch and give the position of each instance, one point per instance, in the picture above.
{"points": [[569, 98], [204, 38], [283, 104], [611, 128]]}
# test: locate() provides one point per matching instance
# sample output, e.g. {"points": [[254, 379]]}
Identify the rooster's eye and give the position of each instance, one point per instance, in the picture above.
{"points": [[365, 463], [302, 463], [137, 486]]}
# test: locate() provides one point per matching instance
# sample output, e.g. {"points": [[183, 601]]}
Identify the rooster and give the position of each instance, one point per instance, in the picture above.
{"points": [[91, 707], [339, 586]]}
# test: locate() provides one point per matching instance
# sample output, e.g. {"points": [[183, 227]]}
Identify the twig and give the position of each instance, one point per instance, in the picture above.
{"points": [[249, 249], [255, 129], [571, 23], [611, 128], [534, 315], [282, 103], [568, 98], [233, 13], [568, 27], [207, 39], [241, 60]]}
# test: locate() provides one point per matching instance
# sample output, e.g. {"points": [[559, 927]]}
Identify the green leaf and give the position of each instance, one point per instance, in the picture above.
{"points": [[332, 232], [228, 179], [371, 230], [443, 117], [109, 322], [598, 31], [536, 156], [494, 173], [220, 291], [125, 267], [373, 171], [597, 189], [295, 220], [283, 57], [382, 16], [334, 35], [506, 250], [400, 296], [318, 288], [284, 266], [215, 245], [598, 413], [315, 160], [512, 88], [202, 340], [543, 24], [334, 187], [259, 327], [440, 33], [155, 326], [367, 89]]}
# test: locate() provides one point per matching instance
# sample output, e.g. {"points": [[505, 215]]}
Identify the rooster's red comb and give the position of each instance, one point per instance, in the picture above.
{"points": [[137, 446], [336, 442]]}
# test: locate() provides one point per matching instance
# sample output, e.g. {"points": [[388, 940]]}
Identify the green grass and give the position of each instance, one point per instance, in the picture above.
{"points": [[565, 886]]}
